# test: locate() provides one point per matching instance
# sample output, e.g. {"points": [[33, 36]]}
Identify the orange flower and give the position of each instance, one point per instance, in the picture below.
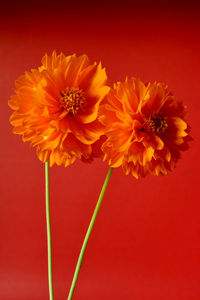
{"points": [[146, 128], [56, 108]]}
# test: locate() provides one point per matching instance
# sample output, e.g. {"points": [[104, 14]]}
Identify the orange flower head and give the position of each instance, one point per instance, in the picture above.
{"points": [[56, 108], [146, 128]]}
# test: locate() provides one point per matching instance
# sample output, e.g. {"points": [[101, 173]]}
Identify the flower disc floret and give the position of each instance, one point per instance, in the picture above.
{"points": [[72, 100]]}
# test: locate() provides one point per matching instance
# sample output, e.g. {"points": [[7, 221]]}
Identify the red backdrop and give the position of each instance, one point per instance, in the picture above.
{"points": [[146, 241]]}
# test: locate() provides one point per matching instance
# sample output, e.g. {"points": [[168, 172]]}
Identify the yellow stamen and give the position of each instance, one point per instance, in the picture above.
{"points": [[156, 123], [72, 100]]}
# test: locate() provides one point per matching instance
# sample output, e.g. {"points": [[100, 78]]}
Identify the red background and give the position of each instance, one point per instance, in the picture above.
{"points": [[146, 241]]}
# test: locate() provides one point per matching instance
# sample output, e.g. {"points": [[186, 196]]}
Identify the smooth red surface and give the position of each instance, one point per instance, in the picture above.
{"points": [[146, 241]]}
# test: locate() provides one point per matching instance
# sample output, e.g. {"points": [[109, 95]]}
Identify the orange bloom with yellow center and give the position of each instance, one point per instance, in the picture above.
{"points": [[145, 128], [56, 108]]}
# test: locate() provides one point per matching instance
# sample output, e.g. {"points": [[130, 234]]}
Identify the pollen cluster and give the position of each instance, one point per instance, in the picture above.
{"points": [[72, 100], [156, 123]]}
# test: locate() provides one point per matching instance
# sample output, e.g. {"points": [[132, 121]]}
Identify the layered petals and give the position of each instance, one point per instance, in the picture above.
{"points": [[56, 108], [146, 128]]}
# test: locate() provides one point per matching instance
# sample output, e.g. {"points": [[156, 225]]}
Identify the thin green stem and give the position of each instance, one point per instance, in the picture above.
{"points": [[80, 259], [48, 231]]}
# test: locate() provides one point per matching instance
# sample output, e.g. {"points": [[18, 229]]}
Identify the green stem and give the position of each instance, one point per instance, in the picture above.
{"points": [[48, 231], [80, 259]]}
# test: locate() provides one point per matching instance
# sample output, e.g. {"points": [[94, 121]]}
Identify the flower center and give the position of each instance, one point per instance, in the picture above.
{"points": [[72, 100], [156, 123]]}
